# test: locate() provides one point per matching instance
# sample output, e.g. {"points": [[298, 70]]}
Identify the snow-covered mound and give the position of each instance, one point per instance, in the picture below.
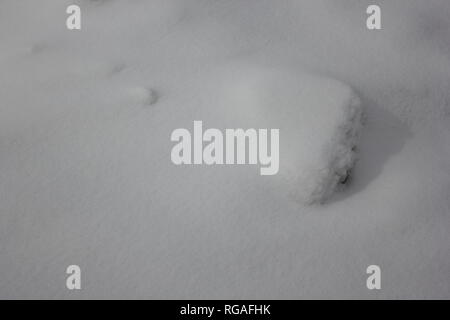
{"points": [[319, 121]]}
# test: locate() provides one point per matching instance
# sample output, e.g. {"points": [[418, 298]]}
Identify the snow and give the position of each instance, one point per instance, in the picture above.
{"points": [[85, 170], [319, 119], [145, 96]]}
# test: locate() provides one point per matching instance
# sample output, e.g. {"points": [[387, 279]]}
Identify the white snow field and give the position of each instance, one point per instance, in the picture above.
{"points": [[319, 120], [86, 176]]}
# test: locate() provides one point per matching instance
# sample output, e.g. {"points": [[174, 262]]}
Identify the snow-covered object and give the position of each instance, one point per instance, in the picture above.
{"points": [[319, 121], [142, 95]]}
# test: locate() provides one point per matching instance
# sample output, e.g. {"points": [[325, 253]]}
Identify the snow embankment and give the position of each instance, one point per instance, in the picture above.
{"points": [[319, 121]]}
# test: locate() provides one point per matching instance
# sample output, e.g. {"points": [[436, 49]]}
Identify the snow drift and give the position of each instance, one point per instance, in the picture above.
{"points": [[319, 120]]}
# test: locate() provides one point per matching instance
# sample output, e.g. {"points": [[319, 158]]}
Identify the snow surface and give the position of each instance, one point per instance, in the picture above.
{"points": [[319, 121], [85, 170]]}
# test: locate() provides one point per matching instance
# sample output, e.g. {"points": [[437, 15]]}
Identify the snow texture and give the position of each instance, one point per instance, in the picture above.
{"points": [[85, 171], [319, 121]]}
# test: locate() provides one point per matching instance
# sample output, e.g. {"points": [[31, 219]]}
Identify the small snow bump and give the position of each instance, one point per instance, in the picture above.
{"points": [[143, 95], [38, 47], [117, 68]]}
